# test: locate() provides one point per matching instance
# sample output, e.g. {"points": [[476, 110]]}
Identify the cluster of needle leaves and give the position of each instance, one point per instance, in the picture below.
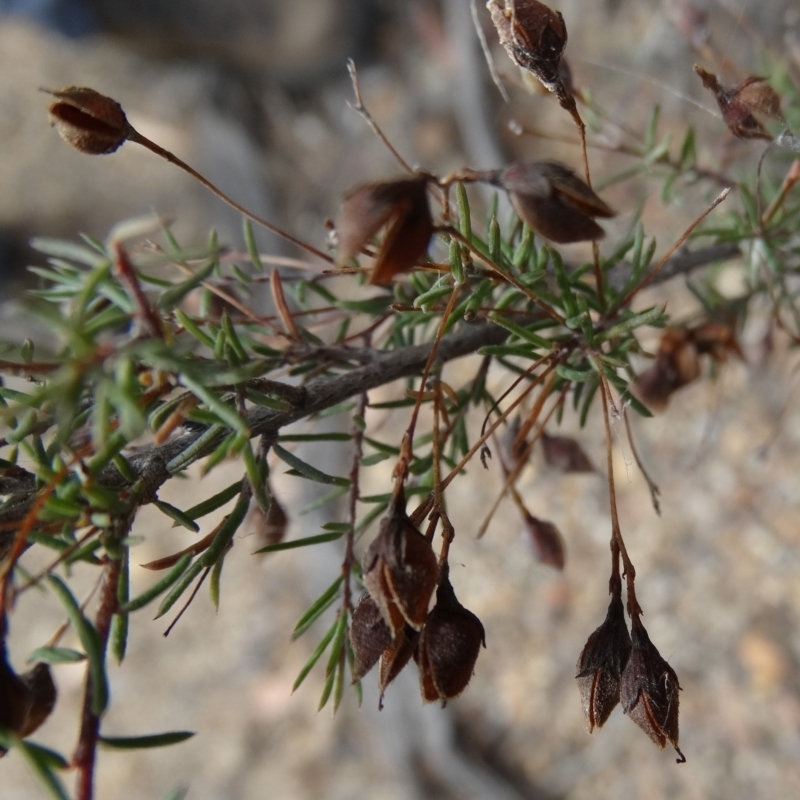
{"points": [[158, 361]]}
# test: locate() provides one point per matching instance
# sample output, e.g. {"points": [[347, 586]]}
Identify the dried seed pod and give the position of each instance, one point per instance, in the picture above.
{"points": [[600, 665], [554, 201], [738, 103], [396, 656], [89, 121], [566, 454], [43, 694], [402, 205], [677, 364], [400, 570], [369, 636], [533, 35], [649, 690], [26, 700], [449, 645], [546, 539]]}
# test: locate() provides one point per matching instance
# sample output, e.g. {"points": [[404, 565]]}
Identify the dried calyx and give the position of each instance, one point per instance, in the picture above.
{"points": [[448, 646], [402, 207], [553, 200], [649, 690], [738, 104], [601, 663]]}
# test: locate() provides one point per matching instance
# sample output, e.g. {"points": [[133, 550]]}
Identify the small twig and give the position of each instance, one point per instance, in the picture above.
{"points": [[406, 449], [362, 111], [279, 299], [149, 319], [617, 542], [523, 458], [648, 279], [135, 136], [93, 531], [655, 492], [355, 494], [487, 53], [792, 177]]}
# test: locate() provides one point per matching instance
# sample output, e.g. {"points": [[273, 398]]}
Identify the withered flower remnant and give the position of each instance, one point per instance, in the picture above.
{"points": [[601, 663], [554, 201], [448, 648], [534, 37], [400, 570], [738, 104], [89, 121], [403, 207], [649, 691], [678, 360]]}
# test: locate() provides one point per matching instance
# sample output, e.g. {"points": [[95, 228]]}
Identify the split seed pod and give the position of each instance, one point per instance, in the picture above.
{"points": [[448, 647], [89, 121], [402, 206], [396, 656], [649, 691], [369, 636], [600, 666], [534, 37], [400, 570], [739, 103], [554, 201]]}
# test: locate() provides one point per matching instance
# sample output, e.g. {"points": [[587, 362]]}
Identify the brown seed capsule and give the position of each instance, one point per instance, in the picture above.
{"points": [[43, 694], [554, 201], [649, 691], [566, 454], [533, 35], [448, 648], [400, 570], [738, 103], [401, 205], [89, 121], [600, 665], [546, 539], [369, 636], [26, 700]]}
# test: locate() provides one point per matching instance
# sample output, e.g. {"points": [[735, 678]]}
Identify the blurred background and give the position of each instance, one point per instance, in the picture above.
{"points": [[253, 94]]}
